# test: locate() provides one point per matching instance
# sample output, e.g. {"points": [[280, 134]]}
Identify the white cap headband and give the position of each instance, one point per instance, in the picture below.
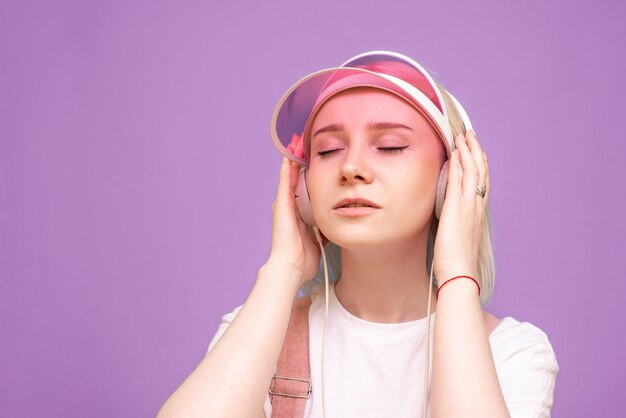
{"points": [[298, 106]]}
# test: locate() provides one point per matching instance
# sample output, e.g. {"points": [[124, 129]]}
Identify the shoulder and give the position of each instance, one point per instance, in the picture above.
{"points": [[300, 307], [526, 365], [509, 332], [510, 337]]}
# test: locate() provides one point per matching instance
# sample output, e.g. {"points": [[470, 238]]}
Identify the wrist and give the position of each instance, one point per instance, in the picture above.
{"points": [[281, 272], [460, 283], [445, 275]]}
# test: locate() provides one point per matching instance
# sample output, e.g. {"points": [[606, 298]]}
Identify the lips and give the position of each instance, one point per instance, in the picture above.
{"points": [[355, 202]]}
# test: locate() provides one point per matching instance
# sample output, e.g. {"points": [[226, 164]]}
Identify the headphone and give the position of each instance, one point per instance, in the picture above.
{"points": [[298, 106]]}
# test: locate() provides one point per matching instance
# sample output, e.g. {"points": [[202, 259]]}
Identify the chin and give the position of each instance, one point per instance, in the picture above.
{"points": [[368, 236], [359, 237]]}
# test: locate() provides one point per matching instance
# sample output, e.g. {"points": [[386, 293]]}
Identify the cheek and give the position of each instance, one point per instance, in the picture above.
{"points": [[322, 199], [316, 192], [420, 183]]}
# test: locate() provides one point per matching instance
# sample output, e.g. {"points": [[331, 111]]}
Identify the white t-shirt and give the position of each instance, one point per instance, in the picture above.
{"points": [[377, 370]]}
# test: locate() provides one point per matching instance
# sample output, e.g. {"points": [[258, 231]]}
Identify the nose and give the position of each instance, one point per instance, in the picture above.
{"points": [[355, 169]]}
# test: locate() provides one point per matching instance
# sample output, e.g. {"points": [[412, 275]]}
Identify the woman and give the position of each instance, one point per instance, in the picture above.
{"points": [[381, 144]]}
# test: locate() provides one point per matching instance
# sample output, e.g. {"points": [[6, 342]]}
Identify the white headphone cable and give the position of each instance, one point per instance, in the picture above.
{"points": [[427, 359], [319, 240]]}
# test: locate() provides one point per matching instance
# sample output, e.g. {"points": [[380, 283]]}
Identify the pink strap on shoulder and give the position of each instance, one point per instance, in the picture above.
{"points": [[291, 384]]}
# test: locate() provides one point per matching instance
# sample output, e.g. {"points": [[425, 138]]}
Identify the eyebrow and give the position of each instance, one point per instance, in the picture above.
{"points": [[377, 126]]}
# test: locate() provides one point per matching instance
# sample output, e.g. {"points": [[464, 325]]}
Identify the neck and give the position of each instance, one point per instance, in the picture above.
{"points": [[386, 285]]}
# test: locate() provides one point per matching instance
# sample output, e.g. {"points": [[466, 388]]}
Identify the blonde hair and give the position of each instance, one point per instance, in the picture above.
{"points": [[485, 268]]}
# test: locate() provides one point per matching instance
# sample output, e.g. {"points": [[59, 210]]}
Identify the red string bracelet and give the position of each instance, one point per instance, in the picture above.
{"points": [[454, 278]]}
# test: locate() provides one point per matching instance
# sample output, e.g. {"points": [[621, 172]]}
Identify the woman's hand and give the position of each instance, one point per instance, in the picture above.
{"points": [[292, 245], [463, 213]]}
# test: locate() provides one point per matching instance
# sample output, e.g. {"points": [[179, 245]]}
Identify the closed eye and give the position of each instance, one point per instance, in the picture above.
{"points": [[326, 153], [393, 149], [384, 149]]}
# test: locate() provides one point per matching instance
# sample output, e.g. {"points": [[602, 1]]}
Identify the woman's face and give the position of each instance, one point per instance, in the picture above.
{"points": [[348, 159]]}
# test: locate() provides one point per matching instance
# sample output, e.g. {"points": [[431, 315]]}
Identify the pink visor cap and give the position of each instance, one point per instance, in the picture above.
{"points": [[389, 71]]}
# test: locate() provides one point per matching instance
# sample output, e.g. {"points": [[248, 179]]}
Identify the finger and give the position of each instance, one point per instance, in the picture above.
{"points": [[454, 187], [487, 185], [477, 153], [479, 159], [284, 165], [284, 180], [470, 172], [295, 172]]}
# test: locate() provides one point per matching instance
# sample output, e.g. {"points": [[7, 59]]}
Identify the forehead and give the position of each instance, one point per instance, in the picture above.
{"points": [[368, 103], [365, 107]]}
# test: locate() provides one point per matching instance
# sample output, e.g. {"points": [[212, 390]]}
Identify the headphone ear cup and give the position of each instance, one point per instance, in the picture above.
{"points": [[303, 202], [442, 183]]}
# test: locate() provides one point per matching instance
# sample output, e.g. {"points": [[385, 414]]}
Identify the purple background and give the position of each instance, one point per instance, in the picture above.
{"points": [[137, 177]]}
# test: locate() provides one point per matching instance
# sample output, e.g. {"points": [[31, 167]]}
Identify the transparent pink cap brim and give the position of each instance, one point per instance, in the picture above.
{"points": [[299, 105]]}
